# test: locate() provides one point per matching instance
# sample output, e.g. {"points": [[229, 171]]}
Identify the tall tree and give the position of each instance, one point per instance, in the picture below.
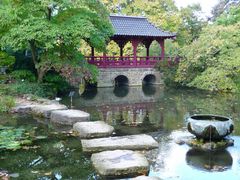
{"points": [[52, 30]]}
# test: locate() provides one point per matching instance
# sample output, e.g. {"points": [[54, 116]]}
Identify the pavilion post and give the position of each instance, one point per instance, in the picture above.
{"points": [[92, 53], [147, 43], [161, 42], [121, 51], [135, 45]]}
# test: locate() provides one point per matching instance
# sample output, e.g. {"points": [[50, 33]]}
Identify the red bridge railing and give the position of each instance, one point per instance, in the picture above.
{"points": [[128, 61]]}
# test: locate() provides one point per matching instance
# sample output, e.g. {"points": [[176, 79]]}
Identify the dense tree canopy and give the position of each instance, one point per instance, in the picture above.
{"points": [[213, 61], [52, 30]]}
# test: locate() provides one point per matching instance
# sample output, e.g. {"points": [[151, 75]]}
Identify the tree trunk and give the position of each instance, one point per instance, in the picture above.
{"points": [[40, 73]]}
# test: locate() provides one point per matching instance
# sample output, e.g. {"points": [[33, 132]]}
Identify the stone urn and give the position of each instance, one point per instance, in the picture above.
{"points": [[209, 127]]}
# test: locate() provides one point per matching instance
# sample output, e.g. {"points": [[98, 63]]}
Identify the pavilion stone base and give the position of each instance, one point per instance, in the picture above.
{"points": [[135, 76]]}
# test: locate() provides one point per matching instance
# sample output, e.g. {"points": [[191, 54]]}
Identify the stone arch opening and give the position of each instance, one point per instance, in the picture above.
{"points": [[149, 79], [121, 80]]}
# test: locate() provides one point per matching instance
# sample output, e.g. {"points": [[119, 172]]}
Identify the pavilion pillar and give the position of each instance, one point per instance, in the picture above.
{"points": [[135, 45], [161, 43], [121, 51], [147, 51], [92, 53]]}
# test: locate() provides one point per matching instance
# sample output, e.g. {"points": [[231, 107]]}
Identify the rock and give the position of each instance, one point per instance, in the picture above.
{"points": [[23, 108], [93, 129], [69, 117], [179, 141], [45, 110], [145, 178], [133, 142], [212, 146], [120, 163]]}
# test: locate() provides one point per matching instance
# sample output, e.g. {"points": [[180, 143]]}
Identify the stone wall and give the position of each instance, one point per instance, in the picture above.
{"points": [[135, 76]]}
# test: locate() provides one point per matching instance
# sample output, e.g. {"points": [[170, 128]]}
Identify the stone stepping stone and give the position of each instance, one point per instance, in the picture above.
{"points": [[144, 178], [120, 163], [23, 108], [69, 117], [133, 142], [46, 110], [93, 129]]}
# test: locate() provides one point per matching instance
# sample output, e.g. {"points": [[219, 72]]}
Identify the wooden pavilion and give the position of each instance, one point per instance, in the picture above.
{"points": [[135, 30]]}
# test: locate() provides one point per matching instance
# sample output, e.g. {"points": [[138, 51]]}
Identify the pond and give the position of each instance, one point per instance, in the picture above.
{"points": [[157, 111]]}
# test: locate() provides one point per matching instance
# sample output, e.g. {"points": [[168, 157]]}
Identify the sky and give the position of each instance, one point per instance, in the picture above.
{"points": [[206, 5]]}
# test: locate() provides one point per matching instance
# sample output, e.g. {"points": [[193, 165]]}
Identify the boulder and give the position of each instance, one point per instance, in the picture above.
{"points": [[133, 142], [120, 163], [145, 178], [45, 110], [93, 129], [69, 117], [23, 108]]}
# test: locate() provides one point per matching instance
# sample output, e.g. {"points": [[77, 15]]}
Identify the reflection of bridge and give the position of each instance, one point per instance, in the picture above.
{"points": [[133, 106], [134, 68]]}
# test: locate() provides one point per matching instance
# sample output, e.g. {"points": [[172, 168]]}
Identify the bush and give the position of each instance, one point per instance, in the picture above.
{"points": [[6, 103], [57, 83], [24, 75], [40, 90], [6, 60]]}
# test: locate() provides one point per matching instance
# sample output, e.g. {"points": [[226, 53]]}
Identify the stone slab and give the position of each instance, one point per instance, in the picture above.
{"points": [[120, 163], [93, 129], [69, 117], [23, 108], [144, 178], [45, 110], [133, 142]]}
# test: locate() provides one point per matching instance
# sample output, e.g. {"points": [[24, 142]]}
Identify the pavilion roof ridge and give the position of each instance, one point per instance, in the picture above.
{"points": [[127, 16]]}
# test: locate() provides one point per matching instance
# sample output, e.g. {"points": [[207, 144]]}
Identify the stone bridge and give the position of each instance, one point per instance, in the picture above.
{"points": [[110, 77]]}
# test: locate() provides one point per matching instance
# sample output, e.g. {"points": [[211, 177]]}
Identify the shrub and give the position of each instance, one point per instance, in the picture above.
{"points": [[6, 103], [40, 90], [6, 60], [24, 75], [57, 83]]}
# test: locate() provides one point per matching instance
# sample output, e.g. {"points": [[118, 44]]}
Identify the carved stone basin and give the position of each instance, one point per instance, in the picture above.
{"points": [[210, 127]]}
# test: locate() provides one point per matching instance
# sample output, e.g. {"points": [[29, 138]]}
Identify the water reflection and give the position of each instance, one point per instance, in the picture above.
{"points": [[165, 108], [121, 91], [149, 90], [208, 160]]}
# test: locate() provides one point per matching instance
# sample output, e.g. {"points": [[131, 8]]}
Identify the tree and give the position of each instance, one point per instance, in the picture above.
{"points": [[212, 62], [53, 30]]}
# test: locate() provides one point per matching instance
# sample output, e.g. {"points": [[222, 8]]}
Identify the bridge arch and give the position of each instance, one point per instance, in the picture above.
{"points": [[149, 79], [121, 80]]}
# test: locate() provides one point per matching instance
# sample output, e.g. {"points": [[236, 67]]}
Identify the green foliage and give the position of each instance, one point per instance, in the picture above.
{"points": [[23, 75], [53, 31], [6, 103], [13, 138], [213, 61], [36, 89], [6, 60], [230, 17], [56, 82]]}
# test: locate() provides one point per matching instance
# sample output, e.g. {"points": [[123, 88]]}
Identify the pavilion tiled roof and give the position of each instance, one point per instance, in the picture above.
{"points": [[137, 26]]}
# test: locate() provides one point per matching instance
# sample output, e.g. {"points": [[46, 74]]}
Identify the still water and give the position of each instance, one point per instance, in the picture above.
{"points": [[157, 111]]}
